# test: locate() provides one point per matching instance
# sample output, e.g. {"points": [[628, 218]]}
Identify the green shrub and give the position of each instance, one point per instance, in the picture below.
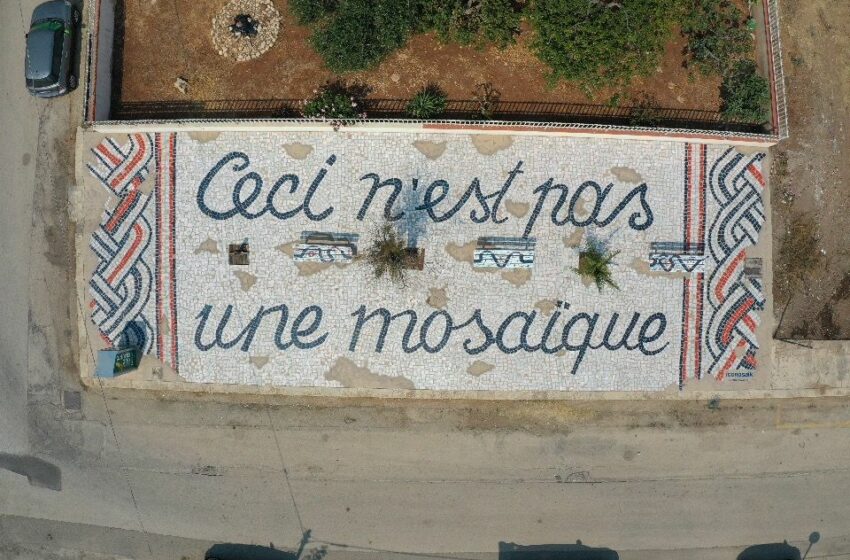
{"points": [[717, 35], [597, 43], [309, 11], [361, 33], [336, 103], [355, 35], [499, 22], [475, 22], [594, 43], [428, 103], [744, 95]]}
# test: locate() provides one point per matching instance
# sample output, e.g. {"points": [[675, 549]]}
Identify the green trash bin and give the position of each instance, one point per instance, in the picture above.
{"points": [[112, 361]]}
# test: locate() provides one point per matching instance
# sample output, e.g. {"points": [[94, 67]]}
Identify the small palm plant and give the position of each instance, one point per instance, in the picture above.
{"points": [[388, 254], [428, 103], [594, 263]]}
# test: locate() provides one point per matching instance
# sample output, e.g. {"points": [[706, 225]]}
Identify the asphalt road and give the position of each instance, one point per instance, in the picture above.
{"points": [[149, 478], [36, 149], [139, 475], [21, 121]]}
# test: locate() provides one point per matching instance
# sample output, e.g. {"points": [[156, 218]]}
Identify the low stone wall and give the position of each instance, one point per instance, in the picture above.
{"points": [[443, 126]]}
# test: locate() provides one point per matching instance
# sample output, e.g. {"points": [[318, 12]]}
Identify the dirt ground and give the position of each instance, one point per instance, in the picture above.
{"points": [[156, 52], [811, 175]]}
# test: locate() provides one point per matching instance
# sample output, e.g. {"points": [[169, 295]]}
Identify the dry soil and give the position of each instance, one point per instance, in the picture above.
{"points": [[166, 39], [811, 174]]}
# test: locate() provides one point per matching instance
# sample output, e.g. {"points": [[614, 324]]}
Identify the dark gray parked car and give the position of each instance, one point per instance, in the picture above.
{"points": [[49, 53]]}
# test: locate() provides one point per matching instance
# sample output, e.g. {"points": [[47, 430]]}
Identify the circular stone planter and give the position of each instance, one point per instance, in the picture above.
{"points": [[242, 47]]}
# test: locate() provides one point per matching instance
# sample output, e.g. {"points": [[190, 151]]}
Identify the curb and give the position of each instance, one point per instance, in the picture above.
{"points": [[185, 388]]}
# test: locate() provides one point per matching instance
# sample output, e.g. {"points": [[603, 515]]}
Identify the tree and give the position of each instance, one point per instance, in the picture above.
{"points": [[310, 11], [475, 22], [744, 94], [601, 43], [361, 33], [716, 34], [355, 35]]}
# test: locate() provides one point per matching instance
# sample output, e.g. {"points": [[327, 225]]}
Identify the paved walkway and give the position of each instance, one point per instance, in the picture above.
{"points": [[501, 221]]}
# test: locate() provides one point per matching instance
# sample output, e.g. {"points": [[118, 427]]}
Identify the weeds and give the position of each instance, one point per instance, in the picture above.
{"points": [[798, 252], [487, 97], [388, 254]]}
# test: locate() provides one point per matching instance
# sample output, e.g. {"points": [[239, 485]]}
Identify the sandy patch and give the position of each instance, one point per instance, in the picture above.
{"points": [[461, 253], [246, 279], [478, 368], [349, 374], [297, 150], [573, 240], [210, 245], [546, 306], [258, 361], [641, 266], [431, 150], [204, 137], [518, 209], [488, 144], [437, 298], [626, 175], [517, 276]]}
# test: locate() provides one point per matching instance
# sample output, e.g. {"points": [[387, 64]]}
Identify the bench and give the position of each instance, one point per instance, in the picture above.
{"points": [[504, 252], [677, 257], [326, 247]]}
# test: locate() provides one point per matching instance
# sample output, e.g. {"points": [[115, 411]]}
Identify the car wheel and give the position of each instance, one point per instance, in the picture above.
{"points": [[72, 82]]}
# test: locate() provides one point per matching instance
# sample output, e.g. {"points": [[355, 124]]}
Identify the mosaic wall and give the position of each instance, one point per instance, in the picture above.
{"points": [[499, 222]]}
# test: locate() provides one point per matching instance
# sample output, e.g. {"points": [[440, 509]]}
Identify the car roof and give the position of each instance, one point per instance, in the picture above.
{"points": [[40, 44]]}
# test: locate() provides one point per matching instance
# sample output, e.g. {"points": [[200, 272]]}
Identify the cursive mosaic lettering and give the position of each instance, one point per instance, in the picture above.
{"points": [[436, 193], [249, 200], [514, 333], [298, 332], [246, 191], [520, 331], [638, 220]]}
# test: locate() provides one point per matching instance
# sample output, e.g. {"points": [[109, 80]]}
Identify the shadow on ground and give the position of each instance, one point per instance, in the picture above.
{"points": [[577, 551], [39, 472], [772, 551], [232, 551]]}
